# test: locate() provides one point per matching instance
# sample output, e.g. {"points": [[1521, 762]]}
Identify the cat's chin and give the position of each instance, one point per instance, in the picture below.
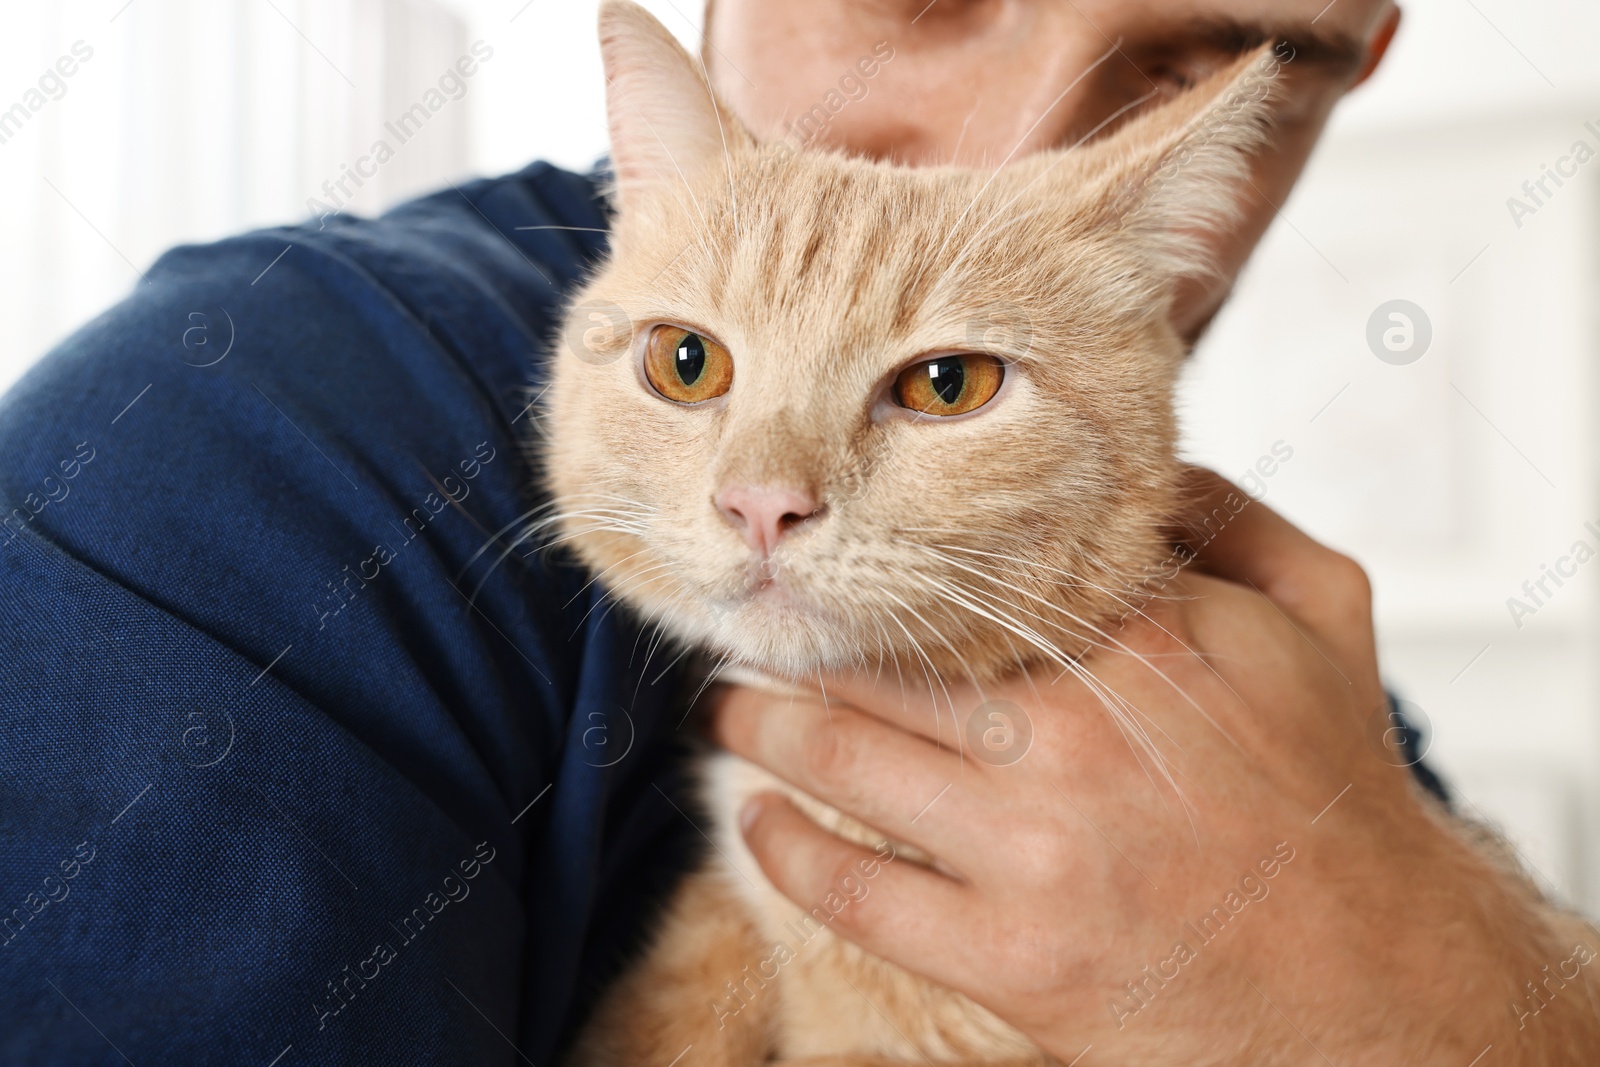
{"points": [[781, 633]]}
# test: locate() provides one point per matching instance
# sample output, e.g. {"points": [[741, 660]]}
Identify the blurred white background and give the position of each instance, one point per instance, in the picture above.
{"points": [[1454, 478]]}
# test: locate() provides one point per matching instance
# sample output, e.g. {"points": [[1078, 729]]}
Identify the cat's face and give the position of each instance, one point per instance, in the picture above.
{"points": [[815, 411]]}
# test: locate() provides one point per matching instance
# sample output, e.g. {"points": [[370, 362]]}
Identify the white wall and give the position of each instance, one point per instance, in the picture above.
{"points": [[194, 119], [1453, 478]]}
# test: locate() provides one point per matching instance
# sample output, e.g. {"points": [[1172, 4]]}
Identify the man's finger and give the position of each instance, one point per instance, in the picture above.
{"points": [[912, 700], [1242, 540], [877, 898], [868, 769]]}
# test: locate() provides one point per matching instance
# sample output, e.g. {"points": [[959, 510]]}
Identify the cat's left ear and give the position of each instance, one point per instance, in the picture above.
{"points": [[1172, 180], [665, 120]]}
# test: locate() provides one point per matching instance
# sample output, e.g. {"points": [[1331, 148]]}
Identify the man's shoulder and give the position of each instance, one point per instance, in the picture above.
{"points": [[301, 434], [473, 275], [521, 242]]}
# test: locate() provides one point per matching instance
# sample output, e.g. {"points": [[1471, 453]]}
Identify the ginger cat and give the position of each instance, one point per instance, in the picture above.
{"points": [[840, 412]]}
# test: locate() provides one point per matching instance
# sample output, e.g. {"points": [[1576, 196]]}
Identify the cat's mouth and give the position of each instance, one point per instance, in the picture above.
{"points": [[764, 584], [768, 594], [772, 620]]}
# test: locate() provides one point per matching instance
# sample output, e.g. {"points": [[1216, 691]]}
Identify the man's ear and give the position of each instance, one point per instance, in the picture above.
{"points": [[1172, 180], [666, 122]]}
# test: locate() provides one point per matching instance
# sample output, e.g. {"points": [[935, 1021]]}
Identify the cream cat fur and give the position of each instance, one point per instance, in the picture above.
{"points": [[969, 546]]}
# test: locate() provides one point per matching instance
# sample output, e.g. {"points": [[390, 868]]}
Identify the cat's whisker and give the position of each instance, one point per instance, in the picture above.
{"points": [[607, 517], [722, 130], [929, 670], [613, 497], [1114, 642], [961, 597], [882, 652], [711, 677], [938, 552], [1119, 645], [615, 597], [528, 533], [1121, 710], [633, 653], [642, 576], [494, 538], [1125, 715], [887, 651], [1030, 569], [598, 521], [1188, 650], [972, 678], [1027, 676], [1067, 630], [673, 662], [657, 635], [586, 585]]}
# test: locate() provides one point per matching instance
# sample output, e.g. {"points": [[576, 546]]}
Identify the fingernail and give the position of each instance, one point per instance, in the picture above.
{"points": [[749, 814]]}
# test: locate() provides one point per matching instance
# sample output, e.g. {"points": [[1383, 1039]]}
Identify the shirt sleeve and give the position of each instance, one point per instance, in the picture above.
{"points": [[305, 755]]}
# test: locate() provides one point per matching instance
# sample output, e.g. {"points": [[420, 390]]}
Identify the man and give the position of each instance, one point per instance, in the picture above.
{"points": [[1092, 923], [1385, 939], [306, 760]]}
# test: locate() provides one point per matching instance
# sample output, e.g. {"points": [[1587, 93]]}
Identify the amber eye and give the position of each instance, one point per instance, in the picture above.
{"points": [[685, 366], [949, 385]]}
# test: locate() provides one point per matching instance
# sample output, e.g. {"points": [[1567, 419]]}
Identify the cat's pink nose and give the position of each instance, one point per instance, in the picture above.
{"points": [[763, 514]]}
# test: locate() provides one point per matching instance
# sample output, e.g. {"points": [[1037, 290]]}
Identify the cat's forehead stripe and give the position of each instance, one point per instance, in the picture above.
{"points": [[838, 235]]}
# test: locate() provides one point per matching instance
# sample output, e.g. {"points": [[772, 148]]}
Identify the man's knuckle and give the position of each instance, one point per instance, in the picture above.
{"points": [[1042, 852], [827, 754], [842, 899], [1355, 578], [1345, 582]]}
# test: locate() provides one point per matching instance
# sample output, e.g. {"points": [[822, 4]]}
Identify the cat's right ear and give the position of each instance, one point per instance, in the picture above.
{"points": [[665, 119], [1173, 181]]}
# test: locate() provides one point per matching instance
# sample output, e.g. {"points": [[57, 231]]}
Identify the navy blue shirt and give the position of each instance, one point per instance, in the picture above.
{"points": [[303, 757]]}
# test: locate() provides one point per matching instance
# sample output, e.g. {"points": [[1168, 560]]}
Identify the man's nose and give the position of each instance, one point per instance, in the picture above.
{"points": [[764, 513]]}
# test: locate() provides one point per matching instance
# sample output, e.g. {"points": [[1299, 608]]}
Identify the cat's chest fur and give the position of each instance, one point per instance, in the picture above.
{"points": [[825, 995]]}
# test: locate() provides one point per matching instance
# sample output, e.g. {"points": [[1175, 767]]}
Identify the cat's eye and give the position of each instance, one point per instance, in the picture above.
{"points": [[949, 385], [685, 366]]}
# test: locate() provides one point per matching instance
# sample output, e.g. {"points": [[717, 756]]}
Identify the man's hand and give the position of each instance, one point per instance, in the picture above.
{"points": [[1201, 856]]}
